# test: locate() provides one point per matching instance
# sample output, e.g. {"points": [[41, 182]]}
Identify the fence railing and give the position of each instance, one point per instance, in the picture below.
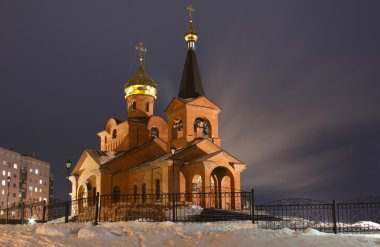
{"points": [[358, 216]]}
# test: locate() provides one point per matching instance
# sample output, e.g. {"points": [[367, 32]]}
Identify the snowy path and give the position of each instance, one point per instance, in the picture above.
{"points": [[143, 234]]}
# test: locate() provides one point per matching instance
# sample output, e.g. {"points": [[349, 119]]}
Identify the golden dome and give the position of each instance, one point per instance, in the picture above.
{"points": [[191, 35], [140, 83]]}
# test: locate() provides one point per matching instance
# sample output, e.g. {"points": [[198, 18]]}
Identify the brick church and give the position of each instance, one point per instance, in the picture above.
{"points": [[151, 154]]}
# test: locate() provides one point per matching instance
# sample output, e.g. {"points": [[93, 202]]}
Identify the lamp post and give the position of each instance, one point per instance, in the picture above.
{"points": [[8, 181], [172, 150], [68, 164]]}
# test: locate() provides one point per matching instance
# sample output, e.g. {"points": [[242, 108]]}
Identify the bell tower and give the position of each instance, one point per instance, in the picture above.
{"points": [[140, 90], [191, 115]]}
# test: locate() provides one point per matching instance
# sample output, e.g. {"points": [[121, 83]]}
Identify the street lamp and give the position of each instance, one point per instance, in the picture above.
{"points": [[8, 181], [68, 164], [172, 150]]}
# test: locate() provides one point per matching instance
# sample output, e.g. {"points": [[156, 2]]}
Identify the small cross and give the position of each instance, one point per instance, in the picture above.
{"points": [[191, 11], [141, 50]]}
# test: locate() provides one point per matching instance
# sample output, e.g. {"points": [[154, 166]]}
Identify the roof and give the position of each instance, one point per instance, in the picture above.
{"points": [[191, 83], [141, 78]]}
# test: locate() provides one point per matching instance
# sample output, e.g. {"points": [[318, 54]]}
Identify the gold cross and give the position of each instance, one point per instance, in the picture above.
{"points": [[191, 11], [142, 51]]}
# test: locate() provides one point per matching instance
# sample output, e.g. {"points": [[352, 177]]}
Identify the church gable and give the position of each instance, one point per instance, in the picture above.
{"points": [[204, 102], [174, 105], [86, 161]]}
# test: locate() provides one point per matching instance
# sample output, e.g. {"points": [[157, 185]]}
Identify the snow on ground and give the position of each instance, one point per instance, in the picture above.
{"points": [[144, 234]]}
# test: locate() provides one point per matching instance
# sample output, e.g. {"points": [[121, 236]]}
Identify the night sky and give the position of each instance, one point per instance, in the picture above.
{"points": [[298, 82]]}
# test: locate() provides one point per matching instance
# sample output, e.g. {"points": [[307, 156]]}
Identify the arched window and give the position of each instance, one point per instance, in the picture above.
{"points": [[115, 194], [135, 193], [134, 105], [154, 132], [158, 189], [201, 128], [197, 183], [177, 129], [147, 107], [114, 134], [143, 190]]}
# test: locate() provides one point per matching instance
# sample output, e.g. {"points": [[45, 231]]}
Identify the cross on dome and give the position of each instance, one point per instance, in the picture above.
{"points": [[191, 11], [142, 50]]}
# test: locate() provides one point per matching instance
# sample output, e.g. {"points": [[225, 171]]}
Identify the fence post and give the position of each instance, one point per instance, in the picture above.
{"points": [[43, 211], [67, 212], [96, 208], [335, 229], [174, 202], [253, 206], [22, 212]]}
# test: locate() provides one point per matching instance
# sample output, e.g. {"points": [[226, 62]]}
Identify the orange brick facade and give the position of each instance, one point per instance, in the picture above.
{"points": [[135, 154]]}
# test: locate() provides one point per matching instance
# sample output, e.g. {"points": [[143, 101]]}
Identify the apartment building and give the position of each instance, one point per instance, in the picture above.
{"points": [[29, 178]]}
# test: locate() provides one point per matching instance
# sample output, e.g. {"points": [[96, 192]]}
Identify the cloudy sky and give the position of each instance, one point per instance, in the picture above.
{"points": [[298, 82]]}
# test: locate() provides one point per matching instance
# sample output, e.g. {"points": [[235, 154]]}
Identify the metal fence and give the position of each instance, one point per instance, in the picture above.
{"points": [[356, 216]]}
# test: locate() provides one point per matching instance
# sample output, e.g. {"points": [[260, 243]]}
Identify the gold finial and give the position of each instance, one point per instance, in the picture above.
{"points": [[142, 51], [191, 11]]}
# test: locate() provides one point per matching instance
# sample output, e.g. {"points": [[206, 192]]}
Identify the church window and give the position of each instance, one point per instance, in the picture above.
{"points": [[116, 194], [147, 107], [135, 193], [143, 190], [177, 129], [201, 128], [196, 183], [154, 132], [134, 105], [158, 189], [114, 134]]}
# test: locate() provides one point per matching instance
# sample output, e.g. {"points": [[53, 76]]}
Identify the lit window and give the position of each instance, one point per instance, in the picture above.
{"points": [[3, 173], [30, 188], [15, 166], [36, 171], [9, 174], [3, 182], [40, 181], [40, 190], [45, 199], [31, 170], [40, 199], [2, 192], [35, 189]]}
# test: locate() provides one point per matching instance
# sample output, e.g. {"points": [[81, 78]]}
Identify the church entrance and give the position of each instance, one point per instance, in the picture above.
{"points": [[222, 184]]}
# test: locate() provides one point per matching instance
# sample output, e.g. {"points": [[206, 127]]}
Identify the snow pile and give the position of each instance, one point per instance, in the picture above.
{"points": [[174, 234]]}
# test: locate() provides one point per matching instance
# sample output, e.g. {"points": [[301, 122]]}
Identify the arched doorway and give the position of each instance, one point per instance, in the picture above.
{"points": [[81, 198], [224, 188]]}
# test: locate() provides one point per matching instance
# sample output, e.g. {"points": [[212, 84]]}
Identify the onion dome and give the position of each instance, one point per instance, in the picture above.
{"points": [[140, 83]]}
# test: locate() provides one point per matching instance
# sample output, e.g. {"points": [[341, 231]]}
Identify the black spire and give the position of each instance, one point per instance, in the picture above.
{"points": [[191, 83]]}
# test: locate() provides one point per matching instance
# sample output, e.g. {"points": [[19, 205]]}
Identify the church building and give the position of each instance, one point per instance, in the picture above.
{"points": [[151, 154]]}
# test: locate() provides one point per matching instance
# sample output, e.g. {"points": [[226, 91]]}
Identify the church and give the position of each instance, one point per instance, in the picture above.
{"points": [[151, 154]]}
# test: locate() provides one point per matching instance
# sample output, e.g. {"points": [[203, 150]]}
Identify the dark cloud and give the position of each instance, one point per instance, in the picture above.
{"points": [[298, 82]]}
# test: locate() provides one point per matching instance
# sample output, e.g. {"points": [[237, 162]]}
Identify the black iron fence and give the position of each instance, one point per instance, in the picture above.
{"points": [[358, 216]]}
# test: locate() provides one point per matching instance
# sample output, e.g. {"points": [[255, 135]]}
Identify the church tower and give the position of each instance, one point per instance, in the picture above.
{"points": [[140, 91], [191, 115]]}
